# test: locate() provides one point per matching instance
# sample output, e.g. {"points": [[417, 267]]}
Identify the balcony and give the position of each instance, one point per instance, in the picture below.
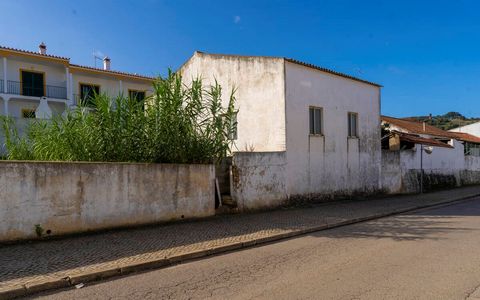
{"points": [[50, 91]]}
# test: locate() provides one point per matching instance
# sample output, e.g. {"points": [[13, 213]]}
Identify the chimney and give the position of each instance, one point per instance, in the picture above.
{"points": [[106, 63], [42, 48]]}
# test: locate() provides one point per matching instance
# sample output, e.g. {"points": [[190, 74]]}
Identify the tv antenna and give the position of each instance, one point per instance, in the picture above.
{"points": [[97, 55]]}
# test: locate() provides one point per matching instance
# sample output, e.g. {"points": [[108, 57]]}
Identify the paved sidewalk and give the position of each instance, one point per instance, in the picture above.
{"points": [[31, 267]]}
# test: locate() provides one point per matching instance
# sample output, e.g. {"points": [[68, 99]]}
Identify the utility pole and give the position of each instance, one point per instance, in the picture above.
{"points": [[421, 168]]}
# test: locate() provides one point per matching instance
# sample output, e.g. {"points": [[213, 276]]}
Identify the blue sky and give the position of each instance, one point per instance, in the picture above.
{"points": [[425, 53]]}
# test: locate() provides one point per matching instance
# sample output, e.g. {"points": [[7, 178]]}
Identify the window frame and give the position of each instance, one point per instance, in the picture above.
{"points": [[349, 124], [80, 84], [138, 91], [315, 133], [29, 110], [21, 71]]}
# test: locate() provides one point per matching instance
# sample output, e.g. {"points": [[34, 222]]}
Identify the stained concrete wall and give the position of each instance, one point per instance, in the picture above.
{"points": [[443, 168], [76, 197], [258, 179], [259, 84], [333, 163]]}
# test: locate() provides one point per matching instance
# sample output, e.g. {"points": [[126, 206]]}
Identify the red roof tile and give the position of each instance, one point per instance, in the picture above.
{"points": [[74, 65], [418, 128], [33, 53], [421, 140]]}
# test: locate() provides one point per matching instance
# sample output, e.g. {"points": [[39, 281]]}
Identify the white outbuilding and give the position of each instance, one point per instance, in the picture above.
{"points": [[317, 128]]}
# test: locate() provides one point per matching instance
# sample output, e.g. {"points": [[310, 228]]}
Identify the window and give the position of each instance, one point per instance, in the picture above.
{"points": [[28, 113], [32, 83], [316, 119], [352, 124], [137, 95], [87, 93]]}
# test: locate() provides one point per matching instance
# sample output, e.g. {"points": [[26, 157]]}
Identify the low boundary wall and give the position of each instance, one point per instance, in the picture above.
{"points": [[54, 198]]}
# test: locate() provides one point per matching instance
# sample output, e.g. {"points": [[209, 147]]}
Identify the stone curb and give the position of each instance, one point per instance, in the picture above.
{"points": [[19, 291]]}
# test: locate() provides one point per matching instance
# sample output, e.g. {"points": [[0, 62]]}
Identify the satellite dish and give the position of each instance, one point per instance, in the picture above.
{"points": [[428, 150]]}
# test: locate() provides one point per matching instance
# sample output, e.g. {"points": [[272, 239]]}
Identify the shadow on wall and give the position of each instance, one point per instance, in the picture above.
{"points": [[431, 181], [102, 248]]}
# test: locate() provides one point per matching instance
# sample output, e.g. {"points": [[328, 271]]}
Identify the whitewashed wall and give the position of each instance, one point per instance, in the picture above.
{"points": [[473, 129], [259, 84], [333, 163], [76, 197], [444, 167], [258, 180], [108, 84]]}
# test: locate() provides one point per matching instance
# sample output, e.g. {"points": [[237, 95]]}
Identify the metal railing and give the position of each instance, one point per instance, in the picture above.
{"points": [[58, 92], [1, 86], [17, 88]]}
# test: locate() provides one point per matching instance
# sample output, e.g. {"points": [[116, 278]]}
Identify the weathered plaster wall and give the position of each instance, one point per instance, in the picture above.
{"points": [[332, 164], [258, 179], [76, 197], [259, 84], [443, 168]]}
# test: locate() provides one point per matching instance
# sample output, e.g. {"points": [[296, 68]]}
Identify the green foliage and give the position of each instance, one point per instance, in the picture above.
{"points": [[179, 123], [447, 121]]}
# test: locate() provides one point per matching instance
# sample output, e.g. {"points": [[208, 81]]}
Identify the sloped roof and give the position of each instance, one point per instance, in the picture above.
{"points": [[418, 128], [113, 72], [33, 53], [67, 62], [294, 61], [407, 137], [463, 136], [330, 71]]}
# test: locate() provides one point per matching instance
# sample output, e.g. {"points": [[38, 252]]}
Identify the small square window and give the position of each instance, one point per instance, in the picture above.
{"points": [[28, 113], [352, 124], [316, 120]]}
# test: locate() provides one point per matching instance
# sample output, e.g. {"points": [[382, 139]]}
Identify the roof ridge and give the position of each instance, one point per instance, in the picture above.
{"points": [[295, 61], [76, 65]]}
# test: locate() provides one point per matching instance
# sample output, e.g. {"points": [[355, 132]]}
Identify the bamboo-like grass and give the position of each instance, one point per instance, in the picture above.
{"points": [[178, 123]]}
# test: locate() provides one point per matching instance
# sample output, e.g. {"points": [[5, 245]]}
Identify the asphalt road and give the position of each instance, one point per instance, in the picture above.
{"points": [[430, 254]]}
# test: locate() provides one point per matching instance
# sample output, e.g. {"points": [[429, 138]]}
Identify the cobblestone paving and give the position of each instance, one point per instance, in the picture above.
{"points": [[36, 262]]}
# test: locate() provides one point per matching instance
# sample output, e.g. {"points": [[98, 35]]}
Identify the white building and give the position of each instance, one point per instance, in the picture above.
{"points": [[326, 123], [473, 129], [447, 158], [36, 84]]}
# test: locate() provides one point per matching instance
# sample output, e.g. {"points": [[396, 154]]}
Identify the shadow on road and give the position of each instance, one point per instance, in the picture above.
{"points": [[37, 258]]}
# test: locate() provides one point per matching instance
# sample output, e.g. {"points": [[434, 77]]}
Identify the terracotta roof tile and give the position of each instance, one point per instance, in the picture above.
{"points": [[417, 128], [113, 72], [463, 136], [420, 140], [74, 65], [33, 53]]}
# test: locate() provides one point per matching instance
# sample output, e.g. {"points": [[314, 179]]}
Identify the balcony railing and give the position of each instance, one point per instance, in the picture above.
{"points": [[17, 88], [1, 85]]}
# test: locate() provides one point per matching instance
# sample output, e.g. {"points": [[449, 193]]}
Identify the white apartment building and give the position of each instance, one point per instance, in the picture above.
{"points": [[326, 124], [39, 85]]}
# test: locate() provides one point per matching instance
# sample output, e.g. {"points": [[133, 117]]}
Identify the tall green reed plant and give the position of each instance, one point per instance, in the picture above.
{"points": [[178, 123]]}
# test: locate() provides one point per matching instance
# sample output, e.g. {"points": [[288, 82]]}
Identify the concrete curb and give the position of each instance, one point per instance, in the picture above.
{"points": [[20, 291]]}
